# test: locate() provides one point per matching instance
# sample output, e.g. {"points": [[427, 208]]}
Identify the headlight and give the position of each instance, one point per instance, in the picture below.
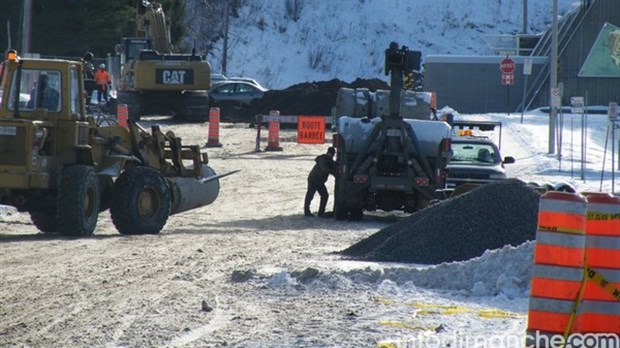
{"points": [[38, 134], [39, 137]]}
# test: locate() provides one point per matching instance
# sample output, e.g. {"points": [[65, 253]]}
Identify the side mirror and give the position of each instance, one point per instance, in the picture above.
{"points": [[509, 160]]}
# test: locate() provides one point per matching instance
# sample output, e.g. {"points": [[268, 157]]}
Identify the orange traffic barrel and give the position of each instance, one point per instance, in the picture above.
{"points": [[273, 138], [122, 115], [213, 139], [599, 311], [557, 273]]}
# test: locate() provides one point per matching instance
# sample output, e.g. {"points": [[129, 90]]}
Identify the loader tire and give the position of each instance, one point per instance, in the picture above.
{"points": [[44, 222], [141, 201], [78, 201]]}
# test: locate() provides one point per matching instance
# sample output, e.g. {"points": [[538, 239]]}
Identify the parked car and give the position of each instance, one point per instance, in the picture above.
{"points": [[239, 91], [217, 78], [250, 80]]}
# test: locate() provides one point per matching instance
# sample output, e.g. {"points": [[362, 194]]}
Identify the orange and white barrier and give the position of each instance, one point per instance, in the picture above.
{"points": [[273, 139], [599, 311], [559, 256], [213, 139], [575, 288], [122, 115]]}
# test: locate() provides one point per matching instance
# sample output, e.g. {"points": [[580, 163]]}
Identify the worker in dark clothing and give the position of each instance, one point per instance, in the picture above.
{"points": [[324, 166], [89, 76], [43, 95]]}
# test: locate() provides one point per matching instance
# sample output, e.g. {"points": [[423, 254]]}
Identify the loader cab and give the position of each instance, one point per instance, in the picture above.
{"points": [[41, 89]]}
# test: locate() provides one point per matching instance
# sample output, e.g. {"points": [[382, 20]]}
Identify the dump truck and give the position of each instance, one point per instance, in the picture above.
{"points": [[155, 80], [64, 167], [387, 161]]}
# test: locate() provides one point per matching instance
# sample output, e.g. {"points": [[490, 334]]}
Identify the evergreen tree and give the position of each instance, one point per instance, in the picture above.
{"points": [[69, 28]]}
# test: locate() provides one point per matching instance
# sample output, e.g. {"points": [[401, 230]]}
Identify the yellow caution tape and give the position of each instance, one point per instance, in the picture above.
{"points": [[595, 215], [427, 309], [603, 283], [400, 325], [386, 345], [496, 313], [561, 229]]}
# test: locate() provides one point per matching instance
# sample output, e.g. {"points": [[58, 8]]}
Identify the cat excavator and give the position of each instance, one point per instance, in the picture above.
{"points": [[154, 79]]}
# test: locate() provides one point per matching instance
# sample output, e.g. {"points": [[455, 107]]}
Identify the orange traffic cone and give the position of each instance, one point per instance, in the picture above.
{"points": [[122, 115], [214, 128], [273, 139]]}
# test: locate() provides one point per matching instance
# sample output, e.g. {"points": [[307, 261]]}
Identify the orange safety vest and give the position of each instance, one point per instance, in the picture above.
{"points": [[102, 77]]}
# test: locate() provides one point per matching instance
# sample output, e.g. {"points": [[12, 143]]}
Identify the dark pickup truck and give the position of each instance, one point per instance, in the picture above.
{"points": [[475, 159]]}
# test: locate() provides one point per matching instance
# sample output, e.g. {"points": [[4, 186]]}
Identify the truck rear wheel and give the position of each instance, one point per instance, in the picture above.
{"points": [[141, 201], [341, 209], [356, 214], [44, 222], [340, 212], [78, 201]]}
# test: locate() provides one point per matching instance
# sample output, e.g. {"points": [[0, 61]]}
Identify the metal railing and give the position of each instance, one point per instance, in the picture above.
{"points": [[567, 27]]}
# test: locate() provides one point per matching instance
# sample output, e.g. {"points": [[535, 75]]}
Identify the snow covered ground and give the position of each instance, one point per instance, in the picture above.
{"points": [[251, 271]]}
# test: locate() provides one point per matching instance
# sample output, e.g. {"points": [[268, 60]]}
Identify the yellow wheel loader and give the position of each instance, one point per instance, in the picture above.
{"points": [[63, 168]]}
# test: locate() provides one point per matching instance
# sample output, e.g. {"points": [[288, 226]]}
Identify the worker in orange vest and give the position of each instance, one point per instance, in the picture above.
{"points": [[102, 78]]}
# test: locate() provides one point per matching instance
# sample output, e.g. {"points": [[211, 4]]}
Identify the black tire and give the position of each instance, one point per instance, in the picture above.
{"points": [[356, 214], [341, 210], [141, 201], [44, 222], [134, 104], [78, 201]]}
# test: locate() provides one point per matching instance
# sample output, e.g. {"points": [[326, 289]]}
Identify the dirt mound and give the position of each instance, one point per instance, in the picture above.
{"points": [[487, 218], [308, 98]]}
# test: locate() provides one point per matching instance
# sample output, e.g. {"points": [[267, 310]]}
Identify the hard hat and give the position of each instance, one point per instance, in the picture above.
{"points": [[102, 66]]}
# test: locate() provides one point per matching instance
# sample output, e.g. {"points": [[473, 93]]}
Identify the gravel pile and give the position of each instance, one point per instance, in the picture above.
{"points": [[487, 218], [309, 98]]}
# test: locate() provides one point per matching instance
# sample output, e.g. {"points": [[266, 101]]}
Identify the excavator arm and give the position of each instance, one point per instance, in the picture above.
{"points": [[151, 23]]}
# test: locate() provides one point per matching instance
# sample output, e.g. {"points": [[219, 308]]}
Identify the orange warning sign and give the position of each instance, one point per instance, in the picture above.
{"points": [[311, 130]]}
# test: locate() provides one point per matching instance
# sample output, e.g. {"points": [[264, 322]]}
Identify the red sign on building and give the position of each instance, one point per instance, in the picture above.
{"points": [[508, 79], [507, 66]]}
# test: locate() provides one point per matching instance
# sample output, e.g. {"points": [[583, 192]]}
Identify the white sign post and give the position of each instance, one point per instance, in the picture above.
{"points": [[507, 66], [527, 71], [556, 98], [612, 112]]}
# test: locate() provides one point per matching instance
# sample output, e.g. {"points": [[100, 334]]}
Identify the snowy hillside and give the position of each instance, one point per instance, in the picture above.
{"points": [[284, 42]]}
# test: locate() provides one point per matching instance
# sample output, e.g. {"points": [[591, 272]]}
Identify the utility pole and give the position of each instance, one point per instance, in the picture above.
{"points": [[26, 26], [524, 29], [553, 80], [225, 49], [8, 35]]}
